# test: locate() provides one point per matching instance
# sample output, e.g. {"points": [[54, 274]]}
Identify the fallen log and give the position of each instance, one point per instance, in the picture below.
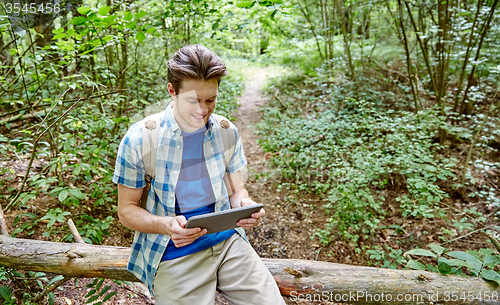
{"points": [[299, 279]]}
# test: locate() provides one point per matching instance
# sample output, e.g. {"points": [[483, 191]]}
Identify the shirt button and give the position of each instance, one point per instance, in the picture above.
{"points": [[172, 195], [175, 172], [178, 147]]}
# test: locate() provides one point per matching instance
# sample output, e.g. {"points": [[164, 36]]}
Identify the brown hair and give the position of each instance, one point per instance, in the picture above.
{"points": [[194, 62]]}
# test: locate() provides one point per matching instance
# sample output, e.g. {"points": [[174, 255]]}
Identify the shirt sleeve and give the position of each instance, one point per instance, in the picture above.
{"points": [[238, 160], [129, 168]]}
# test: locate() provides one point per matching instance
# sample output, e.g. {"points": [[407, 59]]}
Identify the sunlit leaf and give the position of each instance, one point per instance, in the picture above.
{"points": [[140, 36], [246, 4], [63, 195], [413, 264], [84, 10], [421, 252], [140, 14], [78, 20], [103, 11], [490, 275]]}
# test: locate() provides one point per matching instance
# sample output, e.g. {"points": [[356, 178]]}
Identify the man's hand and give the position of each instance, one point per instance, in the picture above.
{"points": [[249, 223], [181, 236]]}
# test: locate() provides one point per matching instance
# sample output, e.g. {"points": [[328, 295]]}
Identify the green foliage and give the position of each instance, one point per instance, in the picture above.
{"points": [[98, 292], [7, 295], [27, 225], [352, 154], [480, 263], [55, 215], [387, 260], [91, 229], [32, 281]]}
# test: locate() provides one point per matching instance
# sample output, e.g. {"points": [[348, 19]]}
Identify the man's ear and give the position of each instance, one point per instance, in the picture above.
{"points": [[171, 90]]}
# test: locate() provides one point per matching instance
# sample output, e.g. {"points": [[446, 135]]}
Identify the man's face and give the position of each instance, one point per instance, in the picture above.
{"points": [[194, 103]]}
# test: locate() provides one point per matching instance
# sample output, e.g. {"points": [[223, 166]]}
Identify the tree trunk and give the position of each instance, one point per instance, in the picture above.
{"points": [[300, 279], [411, 75], [346, 32]]}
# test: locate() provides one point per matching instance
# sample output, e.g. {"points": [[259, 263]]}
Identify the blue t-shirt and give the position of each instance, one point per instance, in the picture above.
{"points": [[194, 195], [194, 188], [202, 243]]}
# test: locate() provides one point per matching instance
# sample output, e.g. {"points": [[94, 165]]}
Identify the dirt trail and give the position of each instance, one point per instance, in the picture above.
{"points": [[249, 114], [290, 220]]}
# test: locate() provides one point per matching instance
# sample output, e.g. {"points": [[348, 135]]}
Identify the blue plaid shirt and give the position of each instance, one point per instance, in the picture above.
{"points": [[148, 248]]}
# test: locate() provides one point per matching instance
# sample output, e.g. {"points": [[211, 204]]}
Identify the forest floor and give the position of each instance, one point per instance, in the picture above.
{"points": [[285, 231]]}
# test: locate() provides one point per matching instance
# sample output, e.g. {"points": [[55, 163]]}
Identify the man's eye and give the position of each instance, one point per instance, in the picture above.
{"points": [[210, 101], [193, 102]]}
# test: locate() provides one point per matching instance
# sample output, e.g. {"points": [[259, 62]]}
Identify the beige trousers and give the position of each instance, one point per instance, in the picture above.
{"points": [[232, 267]]}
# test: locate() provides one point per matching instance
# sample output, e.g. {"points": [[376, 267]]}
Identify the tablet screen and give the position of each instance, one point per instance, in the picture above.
{"points": [[223, 220]]}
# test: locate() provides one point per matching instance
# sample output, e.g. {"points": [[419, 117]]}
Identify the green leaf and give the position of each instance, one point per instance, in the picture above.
{"points": [[103, 11], [91, 292], [444, 265], [413, 264], [140, 14], [5, 293], [57, 278], [464, 256], [140, 36], [67, 144], [51, 222], [59, 36], [84, 10], [490, 275], [491, 260], [421, 252], [78, 20], [459, 263], [431, 268], [246, 4], [109, 296], [216, 25], [77, 170], [77, 193], [104, 291], [474, 264], [92, 299], [151, 30], [128, 16], [58, 31], [99, 284], [437, 248], [131, 25], [63, 195]]}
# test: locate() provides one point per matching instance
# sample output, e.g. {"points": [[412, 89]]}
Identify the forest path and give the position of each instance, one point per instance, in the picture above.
{"points": [[285, 230], [249, 114]]}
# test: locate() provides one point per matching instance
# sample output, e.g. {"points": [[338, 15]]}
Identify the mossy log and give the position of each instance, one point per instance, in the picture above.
{"points": [[299, 279]]}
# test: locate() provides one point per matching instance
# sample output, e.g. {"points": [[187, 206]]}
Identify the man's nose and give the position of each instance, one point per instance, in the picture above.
{"points": [[203, 108]]}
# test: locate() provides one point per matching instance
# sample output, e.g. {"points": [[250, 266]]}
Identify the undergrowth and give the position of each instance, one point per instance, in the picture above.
{"points": [[353, 151]]}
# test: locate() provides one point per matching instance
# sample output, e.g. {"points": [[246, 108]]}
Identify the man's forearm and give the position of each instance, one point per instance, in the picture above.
{"points": [[235, 198], [138, 219]]}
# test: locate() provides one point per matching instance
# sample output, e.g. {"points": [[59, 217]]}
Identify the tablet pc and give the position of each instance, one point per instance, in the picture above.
{"points": [[222, 220]]}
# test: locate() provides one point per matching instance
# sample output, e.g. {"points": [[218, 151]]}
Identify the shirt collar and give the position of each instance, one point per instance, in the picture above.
{"points": [[171, 122]]}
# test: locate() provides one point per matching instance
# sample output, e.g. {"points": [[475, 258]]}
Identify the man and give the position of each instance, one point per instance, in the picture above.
{"points": [[184, 265]]}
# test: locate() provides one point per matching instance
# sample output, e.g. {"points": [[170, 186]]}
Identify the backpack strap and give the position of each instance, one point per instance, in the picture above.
{"points": [[150, 134], [229, 139]]}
